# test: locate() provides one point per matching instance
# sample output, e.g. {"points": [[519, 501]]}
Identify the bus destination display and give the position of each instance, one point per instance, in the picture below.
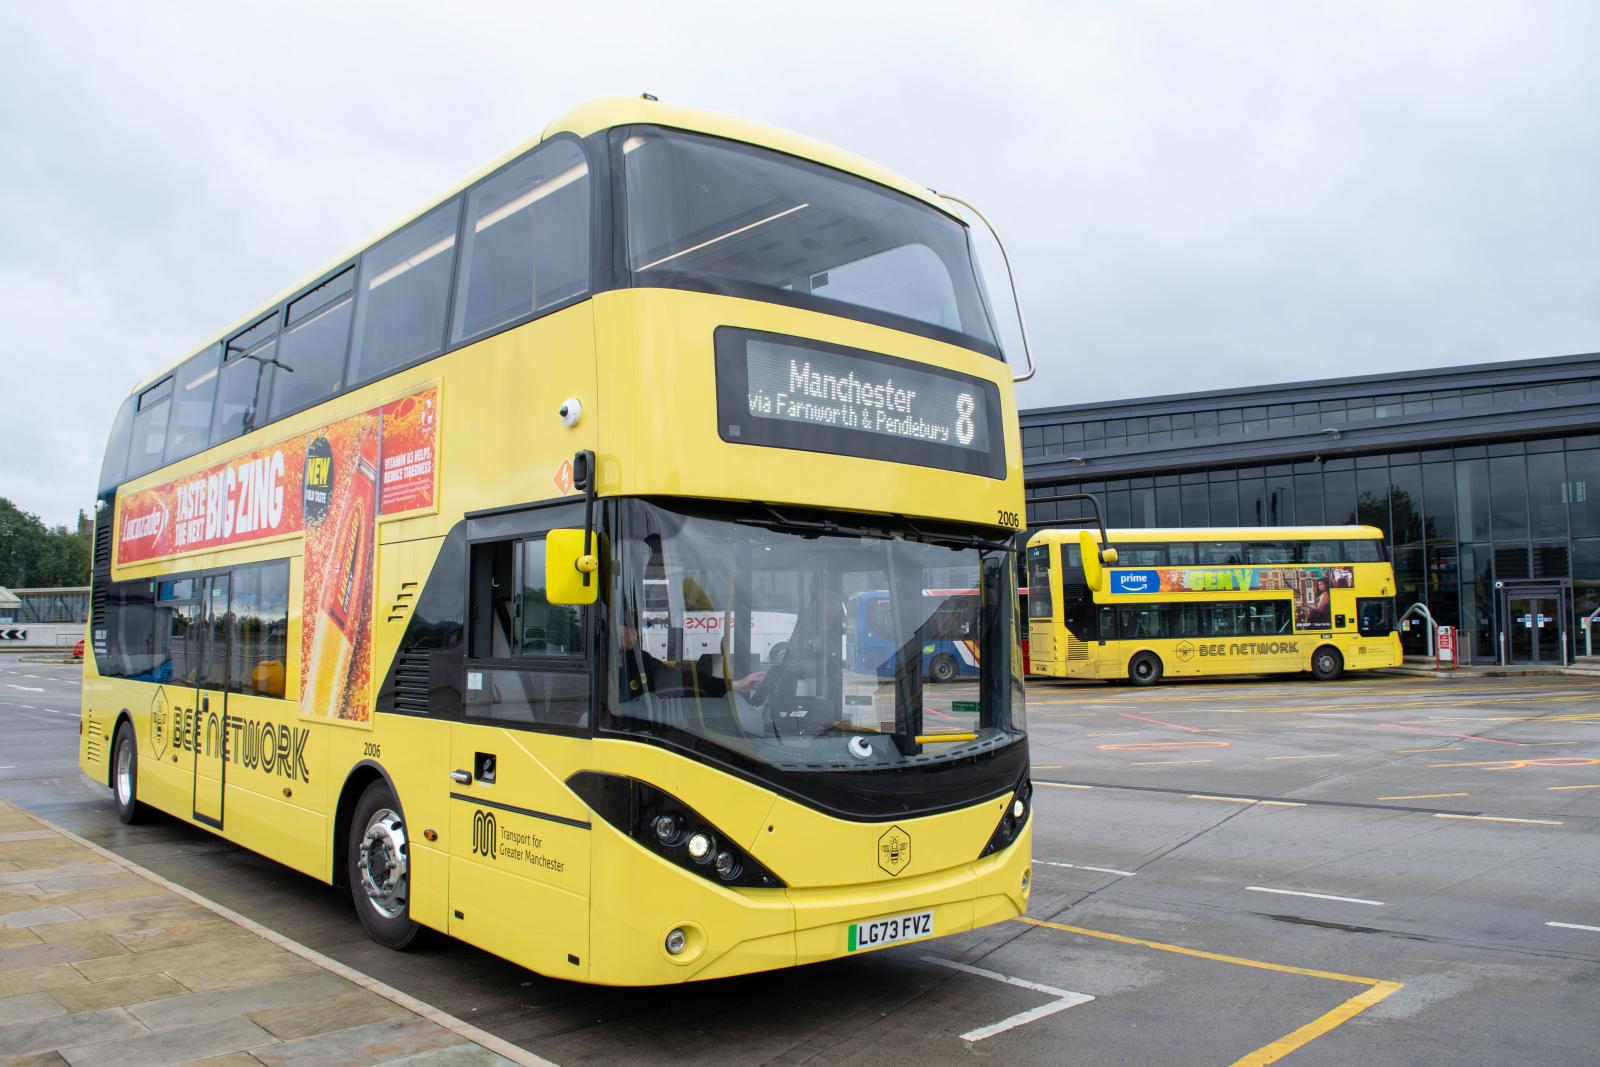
{"points": [[782, 392]]}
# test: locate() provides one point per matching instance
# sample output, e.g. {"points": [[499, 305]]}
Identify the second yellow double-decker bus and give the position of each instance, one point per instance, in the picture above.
{"points": [[502, 569], [1187, 602]]}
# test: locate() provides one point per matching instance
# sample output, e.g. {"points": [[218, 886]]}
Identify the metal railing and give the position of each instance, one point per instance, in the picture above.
{"points": [[1433, 627]]}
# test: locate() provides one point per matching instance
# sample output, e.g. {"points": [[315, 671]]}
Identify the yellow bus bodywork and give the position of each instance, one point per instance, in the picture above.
{"points": [[1054, 651], [578, 899]]}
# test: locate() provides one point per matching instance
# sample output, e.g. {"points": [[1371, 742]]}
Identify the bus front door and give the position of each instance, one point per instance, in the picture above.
{"points": [[519, 838], [211, 700]]}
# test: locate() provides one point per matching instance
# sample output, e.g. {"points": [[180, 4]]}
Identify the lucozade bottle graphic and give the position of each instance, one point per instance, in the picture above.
{"points": [[345, 581]]}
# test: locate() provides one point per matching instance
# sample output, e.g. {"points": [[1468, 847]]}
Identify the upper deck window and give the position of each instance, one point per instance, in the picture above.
{"points": [[313, 347], [526, 247], [715, 215], [191, 419], [150, 428]]}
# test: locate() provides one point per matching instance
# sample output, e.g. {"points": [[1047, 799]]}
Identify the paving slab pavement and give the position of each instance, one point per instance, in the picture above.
{"points": [[103, 962]]}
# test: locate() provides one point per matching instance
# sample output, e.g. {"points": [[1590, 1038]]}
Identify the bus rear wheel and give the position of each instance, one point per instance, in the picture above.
{"points": [[1144, 669], [378, 867], [1326, 664], [943, 669], [125, 775]]}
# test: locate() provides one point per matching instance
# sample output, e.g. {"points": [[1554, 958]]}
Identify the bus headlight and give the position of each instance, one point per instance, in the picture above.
{"points": [[1014, 818], [663, 824]]}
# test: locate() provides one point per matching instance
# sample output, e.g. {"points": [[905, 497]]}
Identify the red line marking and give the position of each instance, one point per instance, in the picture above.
{"points": [[1447, 733], [1158, 722]]}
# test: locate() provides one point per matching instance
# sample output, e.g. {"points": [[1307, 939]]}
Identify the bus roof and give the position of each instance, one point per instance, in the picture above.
{"points": [[596, 115], [1216, 533]]}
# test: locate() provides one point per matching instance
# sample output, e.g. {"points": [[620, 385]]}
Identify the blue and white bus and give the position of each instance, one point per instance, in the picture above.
{"points": [[949, 647]]}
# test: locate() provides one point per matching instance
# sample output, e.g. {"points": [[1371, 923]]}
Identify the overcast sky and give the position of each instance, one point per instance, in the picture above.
{"points": [[1195, 195]]}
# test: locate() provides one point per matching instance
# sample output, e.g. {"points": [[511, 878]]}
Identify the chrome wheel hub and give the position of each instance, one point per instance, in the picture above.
{"points": [[124, 774], [384, 864]]}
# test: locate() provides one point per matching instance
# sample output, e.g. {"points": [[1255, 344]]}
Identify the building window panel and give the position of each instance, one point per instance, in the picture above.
{"points": [[1508, 497], [1339, 497], [1582, 491], [1439, 501], [1546, 503], [1472, 499]]}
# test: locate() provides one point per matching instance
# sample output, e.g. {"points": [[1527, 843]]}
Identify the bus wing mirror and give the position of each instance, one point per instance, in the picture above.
{"points": [[1095, 559], [571, 574]]}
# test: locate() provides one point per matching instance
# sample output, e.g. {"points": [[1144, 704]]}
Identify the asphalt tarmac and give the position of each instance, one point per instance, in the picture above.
{"points": [[1379, 870]]}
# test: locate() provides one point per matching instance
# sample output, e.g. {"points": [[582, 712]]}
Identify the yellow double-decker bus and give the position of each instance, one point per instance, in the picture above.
{"points": [[500, 570], [1188, 602]]}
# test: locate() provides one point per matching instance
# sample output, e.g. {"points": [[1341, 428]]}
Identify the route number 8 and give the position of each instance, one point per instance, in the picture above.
{"points": [[964, 425]]}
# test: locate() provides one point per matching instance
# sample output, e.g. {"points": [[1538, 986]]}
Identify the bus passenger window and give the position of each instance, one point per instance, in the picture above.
{"points": [[246, 380], [150, 428], [313, 347], [1221, 553], [115, 465], [527, 240], [404, 296], [191, 418], [261, 640]]}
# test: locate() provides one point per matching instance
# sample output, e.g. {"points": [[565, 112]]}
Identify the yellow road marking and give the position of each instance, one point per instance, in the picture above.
{"points": [[1153, 762], [1427, 796], [1229, 800], [1063, 785], [1324, 755], [1047, 766], [1277, 1050], [1197, 953], [1572, 787], [1377, 989], [1498, 818]]}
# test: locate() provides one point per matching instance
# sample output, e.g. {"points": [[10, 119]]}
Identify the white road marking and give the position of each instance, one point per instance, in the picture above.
{"points": [[1575, 926], [1248, 800], [1498, 818], [1065, 999], [1086, 867], [26, 688], [1063, 785], [1317, 896]]}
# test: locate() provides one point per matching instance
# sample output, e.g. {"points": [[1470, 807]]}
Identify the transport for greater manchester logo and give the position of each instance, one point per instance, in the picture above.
{"points": [[894, 850]]}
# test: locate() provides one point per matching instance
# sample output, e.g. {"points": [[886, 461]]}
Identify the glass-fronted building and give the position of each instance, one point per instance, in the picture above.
{"points": [[1485, 480]]}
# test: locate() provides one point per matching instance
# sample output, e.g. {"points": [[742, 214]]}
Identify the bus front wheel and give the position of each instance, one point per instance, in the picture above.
{"points": [[1326, 664], [378, 865], [1144, 669], [943, 669], [125, 775]]}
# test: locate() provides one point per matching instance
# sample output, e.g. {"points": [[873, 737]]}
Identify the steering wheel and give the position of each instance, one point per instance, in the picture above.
{"points": [[764, 691]]}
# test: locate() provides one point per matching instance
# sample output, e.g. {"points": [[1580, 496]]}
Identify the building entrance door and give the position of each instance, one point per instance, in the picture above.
{"points": [[1533, 625]]}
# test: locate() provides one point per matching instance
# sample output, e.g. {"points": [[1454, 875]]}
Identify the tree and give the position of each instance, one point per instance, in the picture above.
{"points": [[33, 555]]}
